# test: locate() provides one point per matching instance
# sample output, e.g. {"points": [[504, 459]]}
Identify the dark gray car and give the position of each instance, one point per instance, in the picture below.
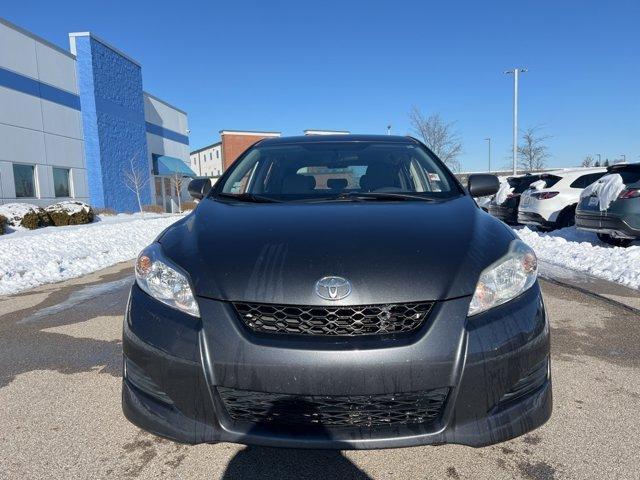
{"points": [[619, 224], [337, 292]]}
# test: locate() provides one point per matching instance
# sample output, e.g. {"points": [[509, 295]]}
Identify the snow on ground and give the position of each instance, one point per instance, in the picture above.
{"points": [[34, 257], [582, 251]]}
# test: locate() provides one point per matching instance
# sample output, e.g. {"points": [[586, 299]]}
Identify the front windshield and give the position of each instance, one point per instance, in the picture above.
{"points": [[326, 170]]}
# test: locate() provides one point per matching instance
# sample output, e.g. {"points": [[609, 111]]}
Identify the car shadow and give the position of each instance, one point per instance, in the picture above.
{"points": [[284, 463]]}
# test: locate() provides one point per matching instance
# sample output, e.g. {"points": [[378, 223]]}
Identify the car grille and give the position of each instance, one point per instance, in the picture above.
{"points": [[333, 321], [334, 411]]}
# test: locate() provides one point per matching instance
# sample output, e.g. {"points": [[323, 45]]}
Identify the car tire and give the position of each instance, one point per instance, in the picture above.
{"points": [[567, 217], [616, 242]]}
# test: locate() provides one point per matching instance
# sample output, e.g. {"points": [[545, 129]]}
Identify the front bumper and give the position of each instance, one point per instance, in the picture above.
{"points": [[605, 223], [177, 363]]}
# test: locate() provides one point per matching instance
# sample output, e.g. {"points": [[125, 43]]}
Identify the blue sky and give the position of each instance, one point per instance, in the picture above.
{"points": [[359, 66]]}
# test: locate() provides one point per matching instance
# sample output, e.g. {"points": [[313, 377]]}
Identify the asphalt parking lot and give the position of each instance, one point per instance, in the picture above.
{"points": [[60, 417]]}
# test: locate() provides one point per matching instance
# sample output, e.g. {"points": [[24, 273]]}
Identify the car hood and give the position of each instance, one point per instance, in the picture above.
{"points": [[400, 251]]}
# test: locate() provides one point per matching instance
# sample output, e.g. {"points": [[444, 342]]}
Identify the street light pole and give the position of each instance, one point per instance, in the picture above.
{"points": [[599, 159], [489, 140], [515, 72]]}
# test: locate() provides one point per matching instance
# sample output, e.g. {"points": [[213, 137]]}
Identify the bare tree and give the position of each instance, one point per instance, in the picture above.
{"points": [[588, 161], [135, 178], [532, 151], [439, 136], [178, 182]]}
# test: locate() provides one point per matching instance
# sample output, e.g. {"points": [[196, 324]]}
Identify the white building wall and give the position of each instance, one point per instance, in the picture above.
{"points": [[34, 130], [207, 162], [161, 114]]}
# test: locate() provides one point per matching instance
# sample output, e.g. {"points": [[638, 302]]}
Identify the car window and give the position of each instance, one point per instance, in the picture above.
{"points": [[586, 180], [241, 183], [326, 169], [629, 177], [520, 184], [550, 180]]}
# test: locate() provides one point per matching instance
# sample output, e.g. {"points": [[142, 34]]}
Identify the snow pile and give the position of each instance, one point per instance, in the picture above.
{"points": [[538, 185], [606, 189], [70, 213], [15, 212], [52, 254], [583, 252], [69, 207], [503, 192]]}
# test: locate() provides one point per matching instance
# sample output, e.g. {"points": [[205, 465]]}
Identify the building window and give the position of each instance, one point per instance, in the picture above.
{"points": [[158, 187], [24, 180], [217, 153], [61, 185]]}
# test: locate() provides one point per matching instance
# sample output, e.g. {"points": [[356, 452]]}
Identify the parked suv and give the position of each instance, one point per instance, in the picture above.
{"points": [[619, 224], [507, 211], [339, 291], [554, 204]]}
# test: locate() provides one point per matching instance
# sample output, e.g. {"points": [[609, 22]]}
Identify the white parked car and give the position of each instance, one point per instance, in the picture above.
{"points": [[483, 202], [554, 206]]}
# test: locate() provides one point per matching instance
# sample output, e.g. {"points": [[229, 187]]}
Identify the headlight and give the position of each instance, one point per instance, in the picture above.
{"points": [[505, 279], [164, 281]]}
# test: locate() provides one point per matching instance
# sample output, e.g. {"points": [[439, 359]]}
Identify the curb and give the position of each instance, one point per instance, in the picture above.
{"points": [[592, 293]]}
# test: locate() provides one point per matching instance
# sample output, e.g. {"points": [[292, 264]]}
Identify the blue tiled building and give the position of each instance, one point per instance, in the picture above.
{"points": [[78, 125]]}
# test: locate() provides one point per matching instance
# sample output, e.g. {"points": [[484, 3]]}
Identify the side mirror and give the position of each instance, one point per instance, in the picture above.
{"points": [[199, 187], [483, 185]]}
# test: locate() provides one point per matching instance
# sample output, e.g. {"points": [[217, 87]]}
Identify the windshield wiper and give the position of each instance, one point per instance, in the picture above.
{"points": [[382, 196], [248, 197]]}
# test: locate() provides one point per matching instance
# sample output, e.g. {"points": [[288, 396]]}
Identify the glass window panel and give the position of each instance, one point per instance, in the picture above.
{"points": [[61, 182], [24, 180]]}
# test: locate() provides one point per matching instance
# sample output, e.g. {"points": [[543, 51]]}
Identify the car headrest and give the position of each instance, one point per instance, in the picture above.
{"points": [[379, 176], [297, 183], [337, 183]]}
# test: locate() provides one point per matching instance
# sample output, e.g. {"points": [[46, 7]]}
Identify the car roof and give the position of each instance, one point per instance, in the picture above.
{"points": [[336, 138], [577, 172], [564, 172], [628, 167]]}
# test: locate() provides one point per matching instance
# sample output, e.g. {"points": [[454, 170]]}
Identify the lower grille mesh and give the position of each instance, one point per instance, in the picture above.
{"points": [[335, 411], [333, 321]]}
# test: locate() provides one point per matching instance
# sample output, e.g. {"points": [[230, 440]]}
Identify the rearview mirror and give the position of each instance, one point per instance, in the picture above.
{"points": [[483, 185], [199, 187]]}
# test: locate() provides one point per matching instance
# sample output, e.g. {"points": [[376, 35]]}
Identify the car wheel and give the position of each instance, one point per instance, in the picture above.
{"points": [[567, 217], [616, 242]]}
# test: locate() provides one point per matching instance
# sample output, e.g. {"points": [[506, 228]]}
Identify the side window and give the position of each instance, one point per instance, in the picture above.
{"points": [[579, 182], [586, 180], [24, 180], [61, 184], [242, 185]]}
